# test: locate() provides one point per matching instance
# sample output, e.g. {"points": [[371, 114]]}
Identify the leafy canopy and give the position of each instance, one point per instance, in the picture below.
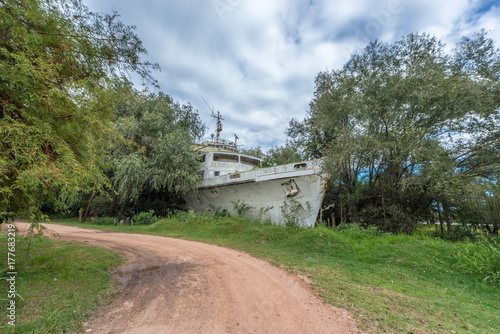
{"points": [[157, 153], [407, 119], [59, 64]]}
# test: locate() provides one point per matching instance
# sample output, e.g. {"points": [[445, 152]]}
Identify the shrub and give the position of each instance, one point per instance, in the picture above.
{"points": [[221, 214], [459, 233], [145, 218], [481, 258], [185, 216]]}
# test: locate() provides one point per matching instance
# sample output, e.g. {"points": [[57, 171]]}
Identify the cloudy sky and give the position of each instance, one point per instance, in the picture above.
{"points": [[255, 61]]}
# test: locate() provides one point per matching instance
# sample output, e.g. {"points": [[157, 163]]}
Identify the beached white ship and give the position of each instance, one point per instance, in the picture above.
{"points": [[231, 180]]}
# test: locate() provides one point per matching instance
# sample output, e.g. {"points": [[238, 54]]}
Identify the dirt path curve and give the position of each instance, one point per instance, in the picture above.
{"points": [[177, 286]]}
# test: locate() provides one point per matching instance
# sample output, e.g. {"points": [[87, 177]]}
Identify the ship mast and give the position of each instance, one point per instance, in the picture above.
{"points": [[219, 123]]}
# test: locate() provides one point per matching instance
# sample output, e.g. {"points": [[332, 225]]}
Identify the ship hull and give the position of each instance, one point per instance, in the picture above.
{"points": [[284, 194]]}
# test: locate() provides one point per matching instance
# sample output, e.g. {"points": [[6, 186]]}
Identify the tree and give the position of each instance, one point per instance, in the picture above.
{"points": [[281, 155], [59, 63], [156, 155], [402, 125], [278, 155]]}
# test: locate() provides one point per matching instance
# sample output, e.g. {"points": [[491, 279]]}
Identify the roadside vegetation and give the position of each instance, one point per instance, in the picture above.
{"points": [[415, 283], [59, 284]]}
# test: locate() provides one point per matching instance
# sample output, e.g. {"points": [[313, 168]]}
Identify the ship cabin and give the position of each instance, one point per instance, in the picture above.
{"points": [[224, 159]]}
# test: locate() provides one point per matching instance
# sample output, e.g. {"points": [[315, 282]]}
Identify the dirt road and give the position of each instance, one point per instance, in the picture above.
{"points": [[177, 286]]}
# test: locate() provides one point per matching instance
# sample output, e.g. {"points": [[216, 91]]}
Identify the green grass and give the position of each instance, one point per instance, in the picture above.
{"points": [[61, 284], [391, 283]]}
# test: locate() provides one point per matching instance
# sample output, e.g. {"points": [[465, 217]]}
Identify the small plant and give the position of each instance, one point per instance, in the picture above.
{"points": [[293, 212], [220, 214], [145, 218], [261, 216], [185, 217], [242, 209]]}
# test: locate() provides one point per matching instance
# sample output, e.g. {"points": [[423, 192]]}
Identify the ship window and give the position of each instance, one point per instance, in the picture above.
{"points": [[300, 166], [225, 157], [234, 176], [202, 174], [217, 173], [250, 161]]}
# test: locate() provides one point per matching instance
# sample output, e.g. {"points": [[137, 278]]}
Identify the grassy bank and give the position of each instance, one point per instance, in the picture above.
{"points": [[392, 283], [61, 284]]}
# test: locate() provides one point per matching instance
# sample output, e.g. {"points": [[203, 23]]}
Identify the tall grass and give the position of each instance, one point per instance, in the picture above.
{"points": [[481, 258]]}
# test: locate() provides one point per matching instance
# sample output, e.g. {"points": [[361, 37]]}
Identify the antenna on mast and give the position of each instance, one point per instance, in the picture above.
{"points": [[219, 124], [218, 116], [211, 109]]}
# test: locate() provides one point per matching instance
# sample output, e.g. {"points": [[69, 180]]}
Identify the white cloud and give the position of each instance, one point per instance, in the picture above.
{"points": [[256, 61]]}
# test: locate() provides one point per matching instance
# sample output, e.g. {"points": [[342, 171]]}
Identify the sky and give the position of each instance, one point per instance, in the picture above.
{"points": [[256, 61]]}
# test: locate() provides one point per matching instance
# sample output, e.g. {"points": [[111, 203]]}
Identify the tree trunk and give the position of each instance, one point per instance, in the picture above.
{"points": [[447, 216], [440, 218], [341, 211], [383, 206], [112, 210], [88, 207]]}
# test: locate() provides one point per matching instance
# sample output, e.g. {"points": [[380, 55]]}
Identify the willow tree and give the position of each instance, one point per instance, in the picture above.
{"points": [[58, 65], [403, 126], [155, 162]]}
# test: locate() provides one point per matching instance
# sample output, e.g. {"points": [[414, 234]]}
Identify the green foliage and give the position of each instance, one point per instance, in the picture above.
{"points": [[145, 218], [221, 214], [262, 214], [7, 217], [479, 208], [293, 212], [357, 229], [481, 258], [190, 217], [278, 155], [185, 216], [59, 66], [156, 155], [242, 209], [405, 129], [459, 233], [282, 155], [103, 221]]}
